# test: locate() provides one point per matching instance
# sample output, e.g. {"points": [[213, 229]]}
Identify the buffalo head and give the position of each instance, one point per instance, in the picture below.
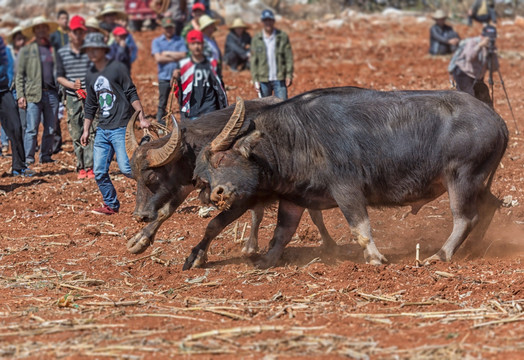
{"points": [[225, 167]]}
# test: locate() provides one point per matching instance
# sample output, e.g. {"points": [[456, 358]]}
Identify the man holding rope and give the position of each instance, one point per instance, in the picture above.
{"points": [[167, 49]]}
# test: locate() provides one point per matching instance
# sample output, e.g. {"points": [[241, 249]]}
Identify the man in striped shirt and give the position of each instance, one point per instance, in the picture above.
{"points": [[72, 65]]}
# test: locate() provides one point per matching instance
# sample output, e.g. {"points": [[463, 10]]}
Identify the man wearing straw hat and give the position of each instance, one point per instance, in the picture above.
{"points": [[111, 93], [110, 17], [167, 49], [37, 88], [442, 38], [211, 50], [238, 41]]}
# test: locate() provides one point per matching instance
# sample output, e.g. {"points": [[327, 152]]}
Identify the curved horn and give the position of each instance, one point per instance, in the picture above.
{"points": [[170, 151], [226, 137], [131, 143]]}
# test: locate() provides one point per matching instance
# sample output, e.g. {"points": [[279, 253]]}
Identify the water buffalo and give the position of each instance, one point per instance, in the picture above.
{"points": [[354, 148], [163, 169]]}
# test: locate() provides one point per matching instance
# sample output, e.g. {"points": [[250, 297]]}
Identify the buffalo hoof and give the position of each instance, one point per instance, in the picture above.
{"points": [[265, 263], [195, 260], [138, 243], [249, 249], [432, 260]]}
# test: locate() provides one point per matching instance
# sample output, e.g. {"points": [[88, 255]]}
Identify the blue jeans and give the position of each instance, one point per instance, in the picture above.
{"points": [[107, 143], [47, 109], [278, 87]]}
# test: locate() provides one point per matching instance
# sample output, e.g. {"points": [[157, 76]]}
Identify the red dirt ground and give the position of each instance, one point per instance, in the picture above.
{"points": [[70, 289]]}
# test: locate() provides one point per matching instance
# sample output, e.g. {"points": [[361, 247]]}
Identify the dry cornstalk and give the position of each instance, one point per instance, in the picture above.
{"points": [[243, 232], [235, 231], [74, 287], [154, 253], [169, 316], [58, 329], [376, 297], [116, 303], [233, 331], [519, 317]]}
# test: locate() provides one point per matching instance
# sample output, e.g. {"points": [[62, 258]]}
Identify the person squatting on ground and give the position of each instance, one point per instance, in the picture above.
{"points": [[37, 89], [202, 90], [442, 38], [167, 49], [10, 120], [71, 69], [473, 62], [111, 92], [237, 48], [271, 59]]}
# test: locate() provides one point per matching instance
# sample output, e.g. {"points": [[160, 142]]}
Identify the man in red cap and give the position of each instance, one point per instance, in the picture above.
{"points": [[71, 69], [202, 89], [119, 49], [197, 11]]}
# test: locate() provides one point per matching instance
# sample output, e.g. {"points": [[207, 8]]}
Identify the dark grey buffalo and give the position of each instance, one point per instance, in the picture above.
{"points": [[163, 170], [354, 148]]}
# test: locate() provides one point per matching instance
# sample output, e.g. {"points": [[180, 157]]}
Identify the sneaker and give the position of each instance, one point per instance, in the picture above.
{"points": [[90, 174], [104, 210], [82, 174], [24, 172]]}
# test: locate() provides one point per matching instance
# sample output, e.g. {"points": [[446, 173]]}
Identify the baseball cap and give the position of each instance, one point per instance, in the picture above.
{"points": [[77, 22], [195, 36], [119, 30], [489, 31], [167, 22], [267, 14], [198, 6]]}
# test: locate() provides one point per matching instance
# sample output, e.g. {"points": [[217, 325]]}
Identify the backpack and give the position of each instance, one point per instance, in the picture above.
{"points": [[456, 55]]}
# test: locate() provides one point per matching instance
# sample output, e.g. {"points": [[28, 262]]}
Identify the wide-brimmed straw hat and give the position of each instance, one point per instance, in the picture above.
{"points": [[110, 8], [439, 14], [95, 24], [39, 20], [12, 33], [205, 21], [238, 23]]}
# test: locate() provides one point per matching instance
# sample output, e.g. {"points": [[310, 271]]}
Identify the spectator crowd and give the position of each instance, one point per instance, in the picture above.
{"points": [[79, 69]]}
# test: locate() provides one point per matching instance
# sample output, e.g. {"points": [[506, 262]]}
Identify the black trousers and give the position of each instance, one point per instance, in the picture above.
{"points": [[164, 89], [13, 128], [472, 86]]}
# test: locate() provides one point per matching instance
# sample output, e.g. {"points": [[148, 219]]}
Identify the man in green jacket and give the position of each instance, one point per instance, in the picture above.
{"points": [[271, 59], [37, 88]]}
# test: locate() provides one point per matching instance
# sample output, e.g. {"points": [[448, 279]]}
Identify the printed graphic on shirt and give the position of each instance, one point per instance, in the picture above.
{"points": [[106, 96], [201, 78]]}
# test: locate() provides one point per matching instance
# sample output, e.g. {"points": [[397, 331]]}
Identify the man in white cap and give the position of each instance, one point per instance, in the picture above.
{"points": [[238, 42], [271, 59], [442, 38], [37, 89]]}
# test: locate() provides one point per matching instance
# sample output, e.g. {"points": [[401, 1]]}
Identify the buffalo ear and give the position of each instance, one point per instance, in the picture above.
{"points": [[246, 144]]}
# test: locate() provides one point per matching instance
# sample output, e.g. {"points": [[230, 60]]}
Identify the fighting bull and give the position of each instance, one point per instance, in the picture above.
{"points": [[163, 169], [352, 148]]}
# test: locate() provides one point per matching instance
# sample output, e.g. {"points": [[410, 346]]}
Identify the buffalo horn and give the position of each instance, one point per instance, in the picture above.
{"points": [[131, 143], [224, 140], [170, 151]]}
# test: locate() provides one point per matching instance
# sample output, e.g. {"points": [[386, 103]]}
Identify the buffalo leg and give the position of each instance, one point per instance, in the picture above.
{"points": [[251, 246], [463, 203], [327, 241], [141, 241], [198, 254], [488, 204], [289, 216], [358, 219]]}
